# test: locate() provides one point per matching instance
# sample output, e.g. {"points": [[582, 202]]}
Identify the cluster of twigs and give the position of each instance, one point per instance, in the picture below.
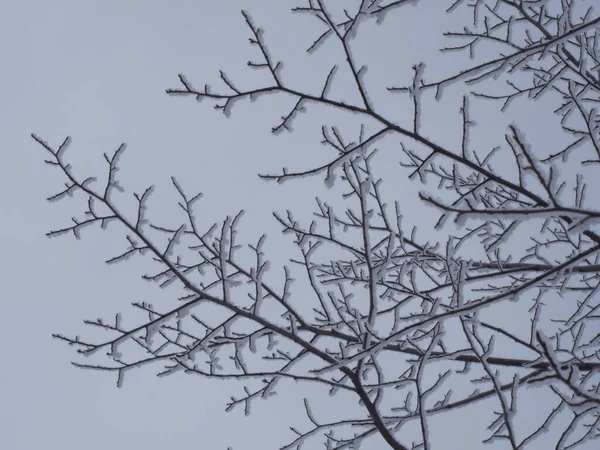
{"points": [[392, 313]]}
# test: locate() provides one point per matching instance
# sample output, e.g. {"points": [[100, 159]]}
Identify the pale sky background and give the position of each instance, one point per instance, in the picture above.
{"points": [[97, 71]]}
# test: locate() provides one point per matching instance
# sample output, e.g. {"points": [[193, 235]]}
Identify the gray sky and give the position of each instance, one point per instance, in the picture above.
{"points": [[97, 71]]}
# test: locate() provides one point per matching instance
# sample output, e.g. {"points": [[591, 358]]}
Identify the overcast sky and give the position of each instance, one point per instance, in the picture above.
{"points": [[97, 71]]}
